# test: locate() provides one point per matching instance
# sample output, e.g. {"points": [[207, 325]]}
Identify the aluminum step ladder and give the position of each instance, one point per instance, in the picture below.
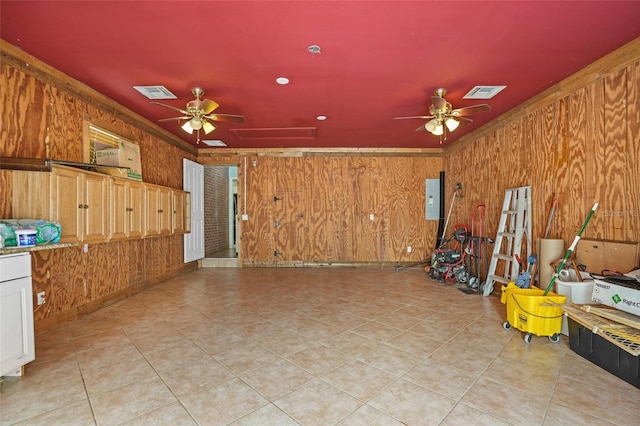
{"points": [[513, 228]]}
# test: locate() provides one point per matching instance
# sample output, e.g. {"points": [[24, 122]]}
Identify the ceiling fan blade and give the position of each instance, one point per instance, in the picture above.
{"points": [[421, 128], [225, 118], [171, 107], [184, 117], [421, 117], [439, 104], [460, 112], [208, 106], [464, 121]]}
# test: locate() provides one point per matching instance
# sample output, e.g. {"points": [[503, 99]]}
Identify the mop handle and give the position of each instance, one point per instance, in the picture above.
{"points": [[571, 249]]}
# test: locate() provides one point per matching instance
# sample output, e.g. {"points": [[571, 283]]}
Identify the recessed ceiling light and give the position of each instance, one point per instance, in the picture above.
{"points": [[321, 117], [214, 143], [155, 92], [282, 80]]}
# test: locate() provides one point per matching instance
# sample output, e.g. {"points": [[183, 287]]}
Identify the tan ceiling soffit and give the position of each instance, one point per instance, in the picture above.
{"points": [[17, 58], [618, 59]]}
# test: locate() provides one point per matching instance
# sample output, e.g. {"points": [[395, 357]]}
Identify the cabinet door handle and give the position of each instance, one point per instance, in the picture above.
{"points": [[86, 206], [80, 206], [160, 211]]}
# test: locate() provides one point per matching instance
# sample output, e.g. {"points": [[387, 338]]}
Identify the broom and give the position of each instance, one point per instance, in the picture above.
{"points": [[571, 249]]}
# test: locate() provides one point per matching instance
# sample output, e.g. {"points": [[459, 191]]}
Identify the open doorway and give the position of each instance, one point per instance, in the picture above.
{"points": [[220, 212]]}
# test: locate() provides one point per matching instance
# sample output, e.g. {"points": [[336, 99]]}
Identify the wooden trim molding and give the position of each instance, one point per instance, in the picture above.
{"points": [[27, 164]]}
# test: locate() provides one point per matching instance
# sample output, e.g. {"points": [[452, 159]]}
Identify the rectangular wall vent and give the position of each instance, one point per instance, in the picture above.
{"points": [[483, 92], [155, 92]]}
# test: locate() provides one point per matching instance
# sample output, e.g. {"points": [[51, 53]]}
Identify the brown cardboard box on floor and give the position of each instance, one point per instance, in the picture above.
{"points": [[599, 255]]}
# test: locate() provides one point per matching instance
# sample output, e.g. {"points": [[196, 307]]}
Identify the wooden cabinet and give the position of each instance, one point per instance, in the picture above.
{"points": [[179, 205], [79, 202], [93, 207], [128, 209], [159, 210]]}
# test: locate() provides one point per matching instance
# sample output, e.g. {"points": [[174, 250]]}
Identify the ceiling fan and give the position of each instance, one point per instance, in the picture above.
{"points": [[443, 117], [198, 115]]}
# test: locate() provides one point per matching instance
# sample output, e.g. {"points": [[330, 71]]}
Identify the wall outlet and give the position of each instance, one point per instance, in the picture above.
{"points": [[408, 249], [41, 298], [245, 217], [371, 217]]}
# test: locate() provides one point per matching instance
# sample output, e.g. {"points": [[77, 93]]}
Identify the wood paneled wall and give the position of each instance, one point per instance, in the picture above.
{"points": [[42, 112], [579, 142], [78, 283], [316, 209]]}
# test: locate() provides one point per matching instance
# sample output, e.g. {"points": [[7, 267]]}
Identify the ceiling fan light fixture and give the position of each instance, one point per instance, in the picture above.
{"points": [[438, 130], [196, 123], [452, 124], [431, 125], [208, 127], [196, 116], [187, 127]]}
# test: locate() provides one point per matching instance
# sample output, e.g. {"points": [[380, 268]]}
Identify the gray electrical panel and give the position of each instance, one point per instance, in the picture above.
{"points": [[432, 205]]}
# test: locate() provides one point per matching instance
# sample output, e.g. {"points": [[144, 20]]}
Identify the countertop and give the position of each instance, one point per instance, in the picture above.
{"points": [[37, 247]]}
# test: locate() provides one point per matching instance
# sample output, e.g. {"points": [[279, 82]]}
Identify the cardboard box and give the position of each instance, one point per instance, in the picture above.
{"points": [[598, 255], [122, 172], [623, 297], [126, 155]]}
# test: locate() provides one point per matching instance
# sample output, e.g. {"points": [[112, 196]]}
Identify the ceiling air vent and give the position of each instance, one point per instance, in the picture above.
{"points": [[483, 92], [155, 92], [214, 142]]}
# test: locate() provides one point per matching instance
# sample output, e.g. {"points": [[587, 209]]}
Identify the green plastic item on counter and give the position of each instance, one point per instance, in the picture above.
{"points": [[46, 231]]}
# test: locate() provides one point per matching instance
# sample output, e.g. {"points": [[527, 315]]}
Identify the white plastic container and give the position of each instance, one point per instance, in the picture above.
{"points": [[26, 237], [578, 292]]}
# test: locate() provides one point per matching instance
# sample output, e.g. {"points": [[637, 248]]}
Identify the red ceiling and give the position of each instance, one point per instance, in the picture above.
{"points": [[378, 60]]}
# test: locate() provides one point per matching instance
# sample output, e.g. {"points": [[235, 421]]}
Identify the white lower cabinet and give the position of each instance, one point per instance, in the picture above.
{"points": [[17, 342]]}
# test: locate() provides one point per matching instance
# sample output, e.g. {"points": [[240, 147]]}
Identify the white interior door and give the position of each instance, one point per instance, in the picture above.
{"points": [[193, 182]]}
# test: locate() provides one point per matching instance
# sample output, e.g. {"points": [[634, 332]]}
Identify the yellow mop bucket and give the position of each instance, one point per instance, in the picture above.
{"points": [[529, 310]]}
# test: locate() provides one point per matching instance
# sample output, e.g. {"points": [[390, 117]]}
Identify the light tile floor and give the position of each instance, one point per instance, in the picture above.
{"points": [[311, 346]]}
